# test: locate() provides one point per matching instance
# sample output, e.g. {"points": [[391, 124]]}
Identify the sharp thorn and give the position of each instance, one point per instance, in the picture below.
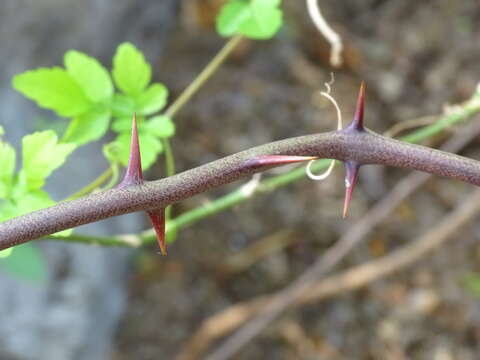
{"points": [[357, 122], [266, 160], [351, 177], [133, 174], [157, 218]]}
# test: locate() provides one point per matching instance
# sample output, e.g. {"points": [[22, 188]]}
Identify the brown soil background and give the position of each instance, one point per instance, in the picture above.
{"points": [[415, 57]]}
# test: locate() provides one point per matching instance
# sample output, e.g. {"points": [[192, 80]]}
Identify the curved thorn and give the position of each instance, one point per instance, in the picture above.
{"points": [[133, 174], [266, 160], [351, 177], [158, 221], [357, 122]]}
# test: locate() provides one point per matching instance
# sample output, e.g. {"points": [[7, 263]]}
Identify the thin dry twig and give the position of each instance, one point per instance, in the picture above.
{"points": [[233, 317]]}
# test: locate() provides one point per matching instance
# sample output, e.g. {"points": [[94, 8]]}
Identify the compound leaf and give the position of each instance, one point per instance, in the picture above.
{"points": [[87, 127], [92, 77], [161, 126], [152, 100], [53, 89], [256, 19], [7, 161], [232, 15], [41, 156], [131, 72]]}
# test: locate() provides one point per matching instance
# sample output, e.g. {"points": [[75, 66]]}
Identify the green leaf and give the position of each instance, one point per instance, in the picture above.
{"points": [[27, 263], [124, 125], [265, 21], [87, 127], [150, 148], [232, 15], [41, 156], [256, 19], [6, 253], [152, 100], [53, 89], [7, 161], [122, 106], [131, 72], [120, 149], [92, 77], [160, 126], [32, 201], [7, 210]]}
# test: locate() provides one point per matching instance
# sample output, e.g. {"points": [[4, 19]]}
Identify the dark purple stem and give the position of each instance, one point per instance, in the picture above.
{"points": [[362, 147]]}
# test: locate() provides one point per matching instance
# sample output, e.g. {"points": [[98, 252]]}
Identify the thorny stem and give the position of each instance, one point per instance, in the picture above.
{"points": [[169, 169], [363, 147], [463, 112]]}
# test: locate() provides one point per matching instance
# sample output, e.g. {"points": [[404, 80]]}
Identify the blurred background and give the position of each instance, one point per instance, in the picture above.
{"points": [[416, 57]]}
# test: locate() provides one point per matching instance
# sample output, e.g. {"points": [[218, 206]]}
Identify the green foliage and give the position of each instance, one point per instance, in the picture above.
{"points": [[123, 106], [149, 148], [150, 133], [255, 19], [131, 72], [84, 91], [132, 75], [5, 253], [7, 159], [160, 126], [21, 193], [92, 77], [25, 262], [152, 100], [41, 155], [87, 127], [53, 89]]}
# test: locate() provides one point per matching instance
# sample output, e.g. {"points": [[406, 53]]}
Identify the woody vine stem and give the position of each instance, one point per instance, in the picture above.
{"points": [[355, 146]]}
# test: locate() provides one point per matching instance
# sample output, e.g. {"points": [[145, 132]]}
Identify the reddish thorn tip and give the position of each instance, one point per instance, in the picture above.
{"points": [[133, 174], [266, 160], [351, 177], [157, 218], [357, 122]]}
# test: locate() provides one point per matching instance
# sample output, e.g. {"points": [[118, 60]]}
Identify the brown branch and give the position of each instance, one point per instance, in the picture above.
{"points": [[358, 145]]}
